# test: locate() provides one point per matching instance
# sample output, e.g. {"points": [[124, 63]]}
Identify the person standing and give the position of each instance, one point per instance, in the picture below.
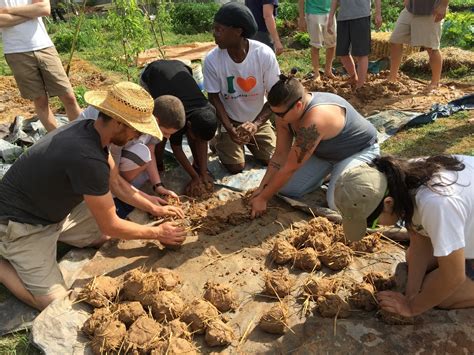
{"points": [[264, 12], [419, 24], [353, 35], [237, 76], [313, 17], [33, 59]]}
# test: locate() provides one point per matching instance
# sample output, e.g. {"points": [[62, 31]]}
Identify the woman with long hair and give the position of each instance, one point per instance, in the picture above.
{"points": [[434, 196], [318, 134]]}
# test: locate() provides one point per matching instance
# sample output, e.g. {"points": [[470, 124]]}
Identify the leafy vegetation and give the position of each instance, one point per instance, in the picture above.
{"points": [[192, 18], [458, 30]]}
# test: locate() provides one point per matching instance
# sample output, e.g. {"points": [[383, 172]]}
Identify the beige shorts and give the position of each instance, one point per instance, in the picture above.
{"points": [[39, 73], [318, 33], [262, 148], [417, 31], [31, 249]]}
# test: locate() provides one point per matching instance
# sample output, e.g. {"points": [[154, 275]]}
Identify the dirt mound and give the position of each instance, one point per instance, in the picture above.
{"points": [[143, 336], [198, 315], [222, 297], [165, 305], [282, 252], [363, 297], [453, 59], [129, 312], [332, 305], [175, 346], [318, 286], [99, 317], [233, 213], [138, 284], [218, 333], [307, 260], [319, 241], [278, 283], [100, 291], [368, 244], [176, 329], [108, 337], [168, 279], [337, 257], [275, 321], [380, 281]]}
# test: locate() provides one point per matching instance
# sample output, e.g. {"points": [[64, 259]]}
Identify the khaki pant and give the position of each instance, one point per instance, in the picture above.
{"points": [[262, 147], [417, 31], [39, 73], [31, 249]]}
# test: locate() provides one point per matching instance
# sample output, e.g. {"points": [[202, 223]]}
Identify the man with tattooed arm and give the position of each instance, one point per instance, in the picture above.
{"points": [[317, 134]]}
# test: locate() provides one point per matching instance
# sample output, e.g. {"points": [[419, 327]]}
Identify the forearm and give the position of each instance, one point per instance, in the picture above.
{"points": [[264, 115], [129, 194], [301, 8], [437, 287], [271, 28], [201, 156], [220, 111], [34, 10], [334, 4], [7, 20], [378, 8], [277, 181], [123, 229], [183, 161], [419, 257], [152, 168]]}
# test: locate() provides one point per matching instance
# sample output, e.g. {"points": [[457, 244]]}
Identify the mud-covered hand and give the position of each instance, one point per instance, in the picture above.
{"points": [[169, 233], [194, 187], [208, 181], [173, 211], [164, 191], [395, 302], [259, 206], [157, 200], [236, 137]]}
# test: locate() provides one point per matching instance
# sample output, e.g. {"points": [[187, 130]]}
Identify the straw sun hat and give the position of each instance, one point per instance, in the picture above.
{"points": [[128, 103]]}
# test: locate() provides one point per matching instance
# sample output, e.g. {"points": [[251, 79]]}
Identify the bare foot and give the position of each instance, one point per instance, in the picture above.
{"points": [[431, 88], [329, 75], [317, 78]]}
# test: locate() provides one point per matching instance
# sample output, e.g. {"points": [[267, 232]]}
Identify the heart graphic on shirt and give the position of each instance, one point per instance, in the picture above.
{"points": [[247, 84]]}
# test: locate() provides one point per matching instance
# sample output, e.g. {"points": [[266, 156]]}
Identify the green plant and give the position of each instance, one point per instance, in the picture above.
{"points": [[458, 30], [79, 92], [302, 39], [127, 22], [191, 17], [288, 11]]}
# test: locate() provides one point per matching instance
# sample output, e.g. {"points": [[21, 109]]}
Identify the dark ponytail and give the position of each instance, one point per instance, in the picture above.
{"points": [[286, 90], [404, 176]]}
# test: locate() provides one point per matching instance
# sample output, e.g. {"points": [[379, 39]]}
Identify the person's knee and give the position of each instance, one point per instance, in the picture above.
{"points": [[44, 301], [234, 168], [41, 103], [68, 99]]}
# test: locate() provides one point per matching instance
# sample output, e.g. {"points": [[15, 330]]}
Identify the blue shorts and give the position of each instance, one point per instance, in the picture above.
{"points": [[470, 268]]}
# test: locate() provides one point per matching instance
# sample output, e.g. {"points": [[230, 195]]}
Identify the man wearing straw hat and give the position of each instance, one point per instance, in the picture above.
{"points": [[70, 197]]}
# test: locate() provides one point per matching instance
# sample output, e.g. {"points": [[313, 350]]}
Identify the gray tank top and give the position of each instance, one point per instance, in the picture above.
{"points": [[357, 134]]}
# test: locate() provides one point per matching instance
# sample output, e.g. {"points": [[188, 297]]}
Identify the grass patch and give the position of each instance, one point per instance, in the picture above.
{"points": [[17, 343], [450, 135]]}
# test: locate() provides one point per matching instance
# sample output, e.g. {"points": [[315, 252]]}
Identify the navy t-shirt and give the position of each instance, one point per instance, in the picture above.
{"points": [[256, 6], [51, 177]]}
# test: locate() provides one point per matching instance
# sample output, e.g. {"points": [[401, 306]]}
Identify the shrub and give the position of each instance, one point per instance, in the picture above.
{"points": [[302, 39], [458, 30], [288, 11], [64, 37], [191, 18]]}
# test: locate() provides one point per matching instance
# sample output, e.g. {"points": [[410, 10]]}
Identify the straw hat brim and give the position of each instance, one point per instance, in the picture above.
{"points": [[97, 99]]}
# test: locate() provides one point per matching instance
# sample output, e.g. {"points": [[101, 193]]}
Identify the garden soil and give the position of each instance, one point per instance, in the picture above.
{"points": [[271, 308]]}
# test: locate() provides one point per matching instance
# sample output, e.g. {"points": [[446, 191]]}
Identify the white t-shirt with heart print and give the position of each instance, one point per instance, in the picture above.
{"points": [[241, 86]]}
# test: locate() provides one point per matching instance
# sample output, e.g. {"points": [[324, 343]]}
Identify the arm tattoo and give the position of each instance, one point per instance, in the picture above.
{"points": [[274, 165], [306, 138]]}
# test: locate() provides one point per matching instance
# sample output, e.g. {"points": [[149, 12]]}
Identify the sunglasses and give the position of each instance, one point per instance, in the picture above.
{"points": [[282, 114]]}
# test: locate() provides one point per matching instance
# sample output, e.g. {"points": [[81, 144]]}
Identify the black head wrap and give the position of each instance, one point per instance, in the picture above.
{"points": [[235, 14]]}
